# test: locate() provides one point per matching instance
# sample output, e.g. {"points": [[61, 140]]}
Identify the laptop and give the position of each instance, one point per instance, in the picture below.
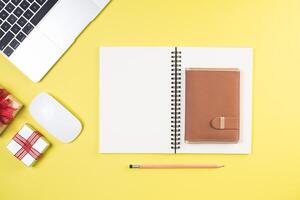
{"points": [[34, 34]]}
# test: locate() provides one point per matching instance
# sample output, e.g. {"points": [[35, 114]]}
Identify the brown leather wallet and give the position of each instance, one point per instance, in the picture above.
{"points": [[212, 99]]}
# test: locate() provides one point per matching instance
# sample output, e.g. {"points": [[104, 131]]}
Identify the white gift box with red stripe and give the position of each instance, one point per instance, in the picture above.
{"points": [[28, 145]]}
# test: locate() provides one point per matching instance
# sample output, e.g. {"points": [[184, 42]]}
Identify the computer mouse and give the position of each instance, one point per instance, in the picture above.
{"points": [[55, 118]]}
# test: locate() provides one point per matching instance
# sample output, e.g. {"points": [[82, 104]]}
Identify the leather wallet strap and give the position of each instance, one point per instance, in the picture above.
{"points": [[226, 123]]}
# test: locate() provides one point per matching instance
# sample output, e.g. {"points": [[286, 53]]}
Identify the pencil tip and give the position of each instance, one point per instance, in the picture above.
{"points": [[130, 166]]}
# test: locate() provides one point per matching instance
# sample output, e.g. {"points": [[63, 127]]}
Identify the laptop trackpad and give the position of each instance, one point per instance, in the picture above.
{"points": [[67, 19], [35, 55]]}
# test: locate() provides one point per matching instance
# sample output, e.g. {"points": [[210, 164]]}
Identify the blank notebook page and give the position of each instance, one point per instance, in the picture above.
{"points": [[135, 100], [241, 58]]}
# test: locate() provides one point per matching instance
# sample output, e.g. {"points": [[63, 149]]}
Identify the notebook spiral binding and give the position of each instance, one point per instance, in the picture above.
{"points": [[175, 99]]}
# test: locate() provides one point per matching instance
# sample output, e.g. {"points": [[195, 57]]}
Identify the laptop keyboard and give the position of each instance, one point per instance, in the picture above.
{"points": [[18, 18]]}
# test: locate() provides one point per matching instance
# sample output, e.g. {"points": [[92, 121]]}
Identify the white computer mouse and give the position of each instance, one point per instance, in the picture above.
{"points": [[55, 118]]}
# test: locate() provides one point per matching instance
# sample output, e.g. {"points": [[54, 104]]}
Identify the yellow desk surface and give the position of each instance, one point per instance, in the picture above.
{"points": [[76, 171]]}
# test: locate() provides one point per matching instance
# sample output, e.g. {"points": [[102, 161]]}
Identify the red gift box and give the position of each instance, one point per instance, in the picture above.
{"points": [[9, 107]]}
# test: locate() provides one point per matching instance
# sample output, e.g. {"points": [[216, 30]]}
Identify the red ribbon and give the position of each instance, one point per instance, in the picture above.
{"points": [[6, 110], [27, 145]]}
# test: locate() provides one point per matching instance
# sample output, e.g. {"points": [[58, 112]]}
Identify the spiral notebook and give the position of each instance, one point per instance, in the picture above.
{"points": [[143, 102]]}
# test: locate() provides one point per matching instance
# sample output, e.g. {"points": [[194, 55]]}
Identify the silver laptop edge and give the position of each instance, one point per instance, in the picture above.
{"points": [[54, 34]]}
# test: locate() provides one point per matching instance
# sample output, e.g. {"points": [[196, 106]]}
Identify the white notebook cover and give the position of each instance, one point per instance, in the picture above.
{"points": [[135, 98]]}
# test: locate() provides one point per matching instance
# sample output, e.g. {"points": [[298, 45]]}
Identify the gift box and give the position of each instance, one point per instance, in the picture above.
{"points": [[9, 107], [28, 145]]}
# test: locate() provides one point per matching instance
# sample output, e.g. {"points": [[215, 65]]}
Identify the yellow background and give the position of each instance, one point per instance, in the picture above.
{"points": [[76, 171]]}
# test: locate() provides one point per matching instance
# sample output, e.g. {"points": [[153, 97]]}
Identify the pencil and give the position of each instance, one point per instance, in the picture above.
{"points": [[175, 166]]}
